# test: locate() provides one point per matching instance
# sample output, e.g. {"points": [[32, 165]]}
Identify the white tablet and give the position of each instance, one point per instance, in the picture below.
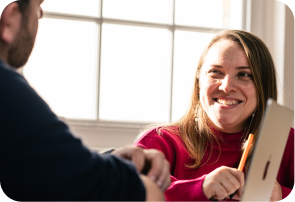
{"points": [[268, 152]]}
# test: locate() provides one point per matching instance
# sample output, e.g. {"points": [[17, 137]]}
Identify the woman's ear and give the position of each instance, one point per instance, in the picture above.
{"points": [[10, 23]]}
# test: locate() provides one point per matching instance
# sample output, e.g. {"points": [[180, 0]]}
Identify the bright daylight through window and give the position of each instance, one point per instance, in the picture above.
{"points": [[124, 60]]}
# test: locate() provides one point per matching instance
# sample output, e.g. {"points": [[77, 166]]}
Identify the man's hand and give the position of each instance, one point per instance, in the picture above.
{"points": [[153, 193], [149, 162], [276, 192]]}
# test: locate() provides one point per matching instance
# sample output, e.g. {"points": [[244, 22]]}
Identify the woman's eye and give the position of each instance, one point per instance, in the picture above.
{"points": [[245, 75], [214, 72]]}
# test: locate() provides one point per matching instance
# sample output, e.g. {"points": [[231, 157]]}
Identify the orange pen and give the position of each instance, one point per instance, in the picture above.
{"points": [[245, 153], [244, 156]]}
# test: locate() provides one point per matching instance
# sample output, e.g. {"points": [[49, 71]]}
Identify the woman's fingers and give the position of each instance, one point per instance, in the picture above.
{"points": [[222, 182], [241, 180], [276, 194], [224, 188], [220, 193], [239, 175], [230, 184]]}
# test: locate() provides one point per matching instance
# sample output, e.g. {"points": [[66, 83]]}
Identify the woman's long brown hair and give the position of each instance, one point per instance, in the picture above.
{"points": [[197, 134]]}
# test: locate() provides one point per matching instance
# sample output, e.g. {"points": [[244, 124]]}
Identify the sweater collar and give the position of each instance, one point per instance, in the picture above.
{"points": [[229, 140]]}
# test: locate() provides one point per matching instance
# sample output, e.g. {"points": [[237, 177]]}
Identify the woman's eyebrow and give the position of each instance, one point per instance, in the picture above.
{"points": [[218, 66], [243, 67]]}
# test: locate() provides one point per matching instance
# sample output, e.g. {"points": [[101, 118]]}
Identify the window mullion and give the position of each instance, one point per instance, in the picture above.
{"points": [[99, 60], [172, 60]]}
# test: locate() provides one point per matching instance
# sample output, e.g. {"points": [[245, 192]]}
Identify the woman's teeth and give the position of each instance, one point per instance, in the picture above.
{"points": [[227, 102]]}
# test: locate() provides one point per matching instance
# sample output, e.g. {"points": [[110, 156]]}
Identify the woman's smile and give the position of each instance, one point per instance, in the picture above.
{"points": [[227, 102]]}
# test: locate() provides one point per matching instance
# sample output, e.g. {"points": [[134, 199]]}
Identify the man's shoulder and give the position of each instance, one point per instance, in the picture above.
{"points": [[4, 67], [8, 74]]}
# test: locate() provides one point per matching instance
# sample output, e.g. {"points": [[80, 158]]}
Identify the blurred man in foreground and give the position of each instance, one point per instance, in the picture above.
{"points": [[40, 158]]}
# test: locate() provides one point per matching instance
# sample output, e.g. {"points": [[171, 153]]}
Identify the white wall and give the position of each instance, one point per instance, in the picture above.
{"points": [[105, 137], [272, 21], [289, 74]]}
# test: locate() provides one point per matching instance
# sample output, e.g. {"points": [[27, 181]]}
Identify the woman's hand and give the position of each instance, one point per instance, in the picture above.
{"points": [[222, 182], [276, 192]]}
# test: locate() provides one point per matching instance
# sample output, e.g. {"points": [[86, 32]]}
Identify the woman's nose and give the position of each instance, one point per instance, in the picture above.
{"points": [[228, 84]]}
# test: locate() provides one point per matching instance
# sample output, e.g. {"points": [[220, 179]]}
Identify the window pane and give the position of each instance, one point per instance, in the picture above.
{"points": [[63, 67], [135, 74], [236, 14], [158, 11], [79, 7], [226, 14], [188, 47]]}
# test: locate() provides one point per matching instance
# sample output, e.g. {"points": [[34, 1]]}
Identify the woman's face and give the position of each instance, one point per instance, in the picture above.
{"points": [[227, 91]]}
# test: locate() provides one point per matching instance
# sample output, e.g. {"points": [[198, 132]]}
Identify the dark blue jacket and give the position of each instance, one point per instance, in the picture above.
{"points": [[40, 159]]}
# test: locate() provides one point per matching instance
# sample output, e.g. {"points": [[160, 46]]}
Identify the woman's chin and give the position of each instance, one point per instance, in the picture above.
{"points": [[228, 126]]}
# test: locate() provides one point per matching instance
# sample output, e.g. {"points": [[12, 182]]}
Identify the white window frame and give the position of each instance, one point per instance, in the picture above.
{"points": [[101, 134]]}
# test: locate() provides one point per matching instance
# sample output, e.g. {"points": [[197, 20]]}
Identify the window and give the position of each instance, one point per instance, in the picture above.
{"points": [[122, 61]]}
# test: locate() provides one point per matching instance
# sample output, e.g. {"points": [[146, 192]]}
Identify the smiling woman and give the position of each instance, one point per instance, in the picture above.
{"points": [[234, 78], [227, 93]]}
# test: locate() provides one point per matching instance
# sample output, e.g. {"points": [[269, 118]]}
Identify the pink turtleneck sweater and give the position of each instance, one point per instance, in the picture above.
{"points": [[186, 183]]}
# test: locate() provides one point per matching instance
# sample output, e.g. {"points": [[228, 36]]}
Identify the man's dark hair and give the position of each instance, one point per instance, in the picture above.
{"points": [[23, 5]]}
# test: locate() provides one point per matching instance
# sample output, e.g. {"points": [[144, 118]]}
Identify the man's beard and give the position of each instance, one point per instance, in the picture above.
{"points": [[21, 48]]}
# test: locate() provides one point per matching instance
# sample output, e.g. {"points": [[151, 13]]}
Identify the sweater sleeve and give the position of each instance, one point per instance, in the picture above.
{"points": [[285, 191], [179, 190], [286, 171], [186, 190], [42, 161]]}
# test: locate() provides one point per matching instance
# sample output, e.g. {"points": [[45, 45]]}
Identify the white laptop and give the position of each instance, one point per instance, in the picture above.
{"points": [[268, 152]]}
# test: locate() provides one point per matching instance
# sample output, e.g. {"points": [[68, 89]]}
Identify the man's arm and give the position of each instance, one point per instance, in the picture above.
{"points": [[42, 160]]}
